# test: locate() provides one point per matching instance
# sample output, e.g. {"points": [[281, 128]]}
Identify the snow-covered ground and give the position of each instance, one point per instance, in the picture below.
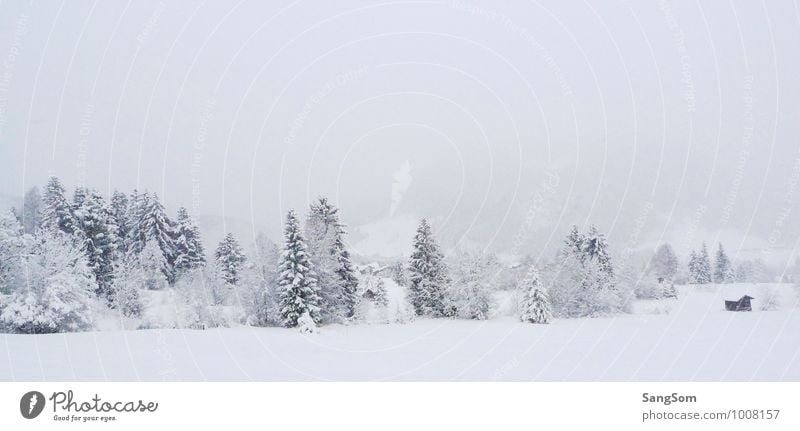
{"points": [[692, 338]]}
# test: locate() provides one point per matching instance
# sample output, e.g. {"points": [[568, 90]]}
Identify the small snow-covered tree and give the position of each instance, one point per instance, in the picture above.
{"points": [[151, 262], [53, 291], [534, 306], [56, 210], [31, 211], [128, 283], [664, 263], [229, 259], [700, 266], [189, 251], [299, 294], [723, 271], [260, 284], [470, 292], [427, 274]]}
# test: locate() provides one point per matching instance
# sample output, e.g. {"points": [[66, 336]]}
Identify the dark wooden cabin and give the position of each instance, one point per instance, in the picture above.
{"points": [[743, 304]]}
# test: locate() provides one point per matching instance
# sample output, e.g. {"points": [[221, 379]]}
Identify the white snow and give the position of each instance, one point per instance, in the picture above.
{"points": [[691, 338]]}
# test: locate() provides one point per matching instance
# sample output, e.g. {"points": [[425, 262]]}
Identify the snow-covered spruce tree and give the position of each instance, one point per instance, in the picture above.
{"points": [[11, 250], [574, 243], [189, 251], [136, 238], [596, 249], [54, 290], [120, 212], [703, 267], [470, 293], [723, 271], [156, 228], [97, 231], [664, 263], [336, 279], [398, 274], [534, 306], [299, 294], [427, 274], [56, 210], [229, 259], [31, 211]]}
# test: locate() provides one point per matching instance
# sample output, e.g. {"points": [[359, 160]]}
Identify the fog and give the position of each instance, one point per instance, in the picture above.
{"points": [[502, 122]]}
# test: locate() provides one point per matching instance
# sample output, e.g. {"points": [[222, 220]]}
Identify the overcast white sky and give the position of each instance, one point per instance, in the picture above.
{"points": [[660, 120]]}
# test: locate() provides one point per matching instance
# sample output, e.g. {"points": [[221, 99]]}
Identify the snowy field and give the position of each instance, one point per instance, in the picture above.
{"points": [[692, 338]]}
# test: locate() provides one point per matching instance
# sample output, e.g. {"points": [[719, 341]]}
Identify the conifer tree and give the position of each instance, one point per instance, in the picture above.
{"points": [[189, 251], [299, 295], [723, 272], [574, 243], [120, 212], [334, 271], [229, 259], [595, 248], [428, 279], [534, 304], [136, 239], [56, 210], [98, 235], [156, 227], [704, 266]]}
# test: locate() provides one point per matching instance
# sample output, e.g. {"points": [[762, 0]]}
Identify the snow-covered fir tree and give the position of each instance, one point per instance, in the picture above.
{"points": [[189, 251], [120, 212], [56, 209], [31, 215], [54, 289], [299, 294], [398, 274], [534, 305], [229, 259], [155, 227], [335, 274], [700, 266], [596, 249], [470, 293], [664, 263], [723, 270], [427, 274], [138, 204], [96, 228], [574, 243], [667, 288]]}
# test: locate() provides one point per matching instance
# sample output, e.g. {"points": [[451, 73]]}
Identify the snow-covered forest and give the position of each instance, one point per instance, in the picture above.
{"points": [[82, 261]]}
